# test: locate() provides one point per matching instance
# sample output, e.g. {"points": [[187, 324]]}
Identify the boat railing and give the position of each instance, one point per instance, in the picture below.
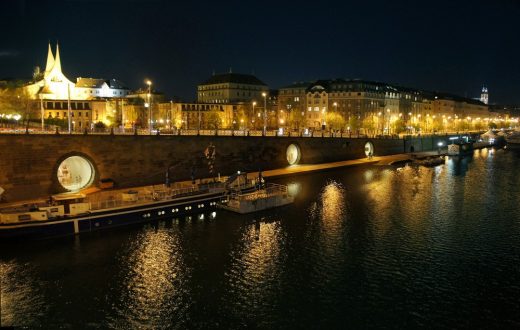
{"points": [[144, 197], [270, 189]]}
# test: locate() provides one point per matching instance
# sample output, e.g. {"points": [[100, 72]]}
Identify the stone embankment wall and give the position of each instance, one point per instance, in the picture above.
{"points": [[29, 163]]}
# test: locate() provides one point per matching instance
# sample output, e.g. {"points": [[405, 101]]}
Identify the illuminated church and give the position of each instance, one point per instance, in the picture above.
{"points": [[52, 84]]}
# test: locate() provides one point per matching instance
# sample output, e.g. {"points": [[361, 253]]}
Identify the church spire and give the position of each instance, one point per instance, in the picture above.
{"points": [[50, 60], [484, 96], [57, 62]]}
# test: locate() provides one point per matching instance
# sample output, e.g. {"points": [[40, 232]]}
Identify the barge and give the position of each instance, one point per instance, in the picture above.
{"points": [[267, 197], [70, 214]]}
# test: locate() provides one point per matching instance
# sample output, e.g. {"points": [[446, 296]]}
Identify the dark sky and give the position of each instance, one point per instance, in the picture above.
{"points": [[451, 46]]}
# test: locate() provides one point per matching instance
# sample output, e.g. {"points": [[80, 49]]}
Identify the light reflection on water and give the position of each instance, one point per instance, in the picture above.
{"points": [[153, 281], [367, 247]]}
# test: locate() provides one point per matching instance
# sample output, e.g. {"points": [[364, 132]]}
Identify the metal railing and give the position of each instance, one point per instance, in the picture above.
{"points": [[270, 189], [143, 197], [229, 132]]}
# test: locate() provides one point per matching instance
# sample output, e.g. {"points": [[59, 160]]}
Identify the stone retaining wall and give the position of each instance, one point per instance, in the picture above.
{"points": [[28, 163]]}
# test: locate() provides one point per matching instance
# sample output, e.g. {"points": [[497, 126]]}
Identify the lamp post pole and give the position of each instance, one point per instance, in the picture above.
{"points": [[388, 122], [170, 116], [335, 104], [253, 114], [149, 83], [123, 115], [69, 112], [41, 109], [264, 94]]}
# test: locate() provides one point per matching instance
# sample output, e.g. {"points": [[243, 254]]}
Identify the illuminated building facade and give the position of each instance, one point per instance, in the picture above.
{"points": [[484, 96], [231, 88], [52, 84], [374, 107]]}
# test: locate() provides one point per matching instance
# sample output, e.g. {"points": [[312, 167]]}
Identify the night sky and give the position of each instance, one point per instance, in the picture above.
{"points": [[450, 46]]}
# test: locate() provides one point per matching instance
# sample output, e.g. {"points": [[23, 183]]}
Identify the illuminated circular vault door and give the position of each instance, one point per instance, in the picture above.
{"points": [[75, 173], [293, 154], [369, 149]]}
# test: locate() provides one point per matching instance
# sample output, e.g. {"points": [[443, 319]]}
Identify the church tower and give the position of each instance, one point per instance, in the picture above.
{"points": [[50, 61], [484, 96]]}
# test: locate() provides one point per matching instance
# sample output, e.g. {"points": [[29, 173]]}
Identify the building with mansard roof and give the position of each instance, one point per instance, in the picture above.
{"points": [[231, 88], [374, 104]]}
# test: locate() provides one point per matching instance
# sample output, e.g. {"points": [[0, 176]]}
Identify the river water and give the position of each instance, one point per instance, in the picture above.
{"points": [[361, 247]]}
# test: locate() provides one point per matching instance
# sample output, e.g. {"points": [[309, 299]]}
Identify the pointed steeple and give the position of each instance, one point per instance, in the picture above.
{"points": [[57, 62], [50, 60]]}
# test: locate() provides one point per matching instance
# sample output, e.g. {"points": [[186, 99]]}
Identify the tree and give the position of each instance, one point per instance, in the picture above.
{"points": [[354, 123], [334, 120], [16, 101], [213, 120], [100, 126], [479, 125], [368, 124], [295, 118], [398, 126]]}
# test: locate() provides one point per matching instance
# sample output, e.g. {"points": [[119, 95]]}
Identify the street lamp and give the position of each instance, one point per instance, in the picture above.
{"points": [[253, 116], [264, 94], [388, 122], [149, 104], [41, 110]]}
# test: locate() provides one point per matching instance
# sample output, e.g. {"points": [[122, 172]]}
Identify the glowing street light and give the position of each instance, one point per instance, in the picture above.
{"points": [[253, 116], [149, 105], [264, 94]]}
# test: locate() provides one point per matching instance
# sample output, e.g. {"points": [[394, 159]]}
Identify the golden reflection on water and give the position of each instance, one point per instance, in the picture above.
{"points": [[20, 294], [333, 202], [407, 186], [330, 210], [256, 261], [261, 249], [154, 266]]}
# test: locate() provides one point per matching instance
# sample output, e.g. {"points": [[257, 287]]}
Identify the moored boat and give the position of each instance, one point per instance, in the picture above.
{"points": [[460, 148], [513, 141], [71, 214], [265, 197]]}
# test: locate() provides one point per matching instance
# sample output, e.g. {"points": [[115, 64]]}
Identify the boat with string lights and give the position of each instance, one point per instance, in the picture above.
{"points": [[76, 213]]}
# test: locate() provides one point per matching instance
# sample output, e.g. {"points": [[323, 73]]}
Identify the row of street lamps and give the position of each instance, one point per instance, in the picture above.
{"points": [[149, 106]]}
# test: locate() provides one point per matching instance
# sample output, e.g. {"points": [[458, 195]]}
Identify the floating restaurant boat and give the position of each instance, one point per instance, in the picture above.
{"points": [[69, 214], [75, 213], [460, 146], [269, 196]]}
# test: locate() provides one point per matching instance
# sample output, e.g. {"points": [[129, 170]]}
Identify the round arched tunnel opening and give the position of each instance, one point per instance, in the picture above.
{"points": [[369, 149], [293, 154], [75, 173]]}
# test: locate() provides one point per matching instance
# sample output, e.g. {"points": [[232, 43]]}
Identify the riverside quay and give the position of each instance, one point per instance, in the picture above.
{"points": [[43, 164]]}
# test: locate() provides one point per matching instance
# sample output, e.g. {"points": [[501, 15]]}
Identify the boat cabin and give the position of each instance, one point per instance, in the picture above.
{"points": [[73, 204]]}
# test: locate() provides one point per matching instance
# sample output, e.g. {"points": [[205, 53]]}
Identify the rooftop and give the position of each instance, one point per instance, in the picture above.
{"points": [[237, 78]]}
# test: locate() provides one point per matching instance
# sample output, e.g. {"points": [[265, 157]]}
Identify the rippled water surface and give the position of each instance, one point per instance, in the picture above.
{"points": [[361, 247]]}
